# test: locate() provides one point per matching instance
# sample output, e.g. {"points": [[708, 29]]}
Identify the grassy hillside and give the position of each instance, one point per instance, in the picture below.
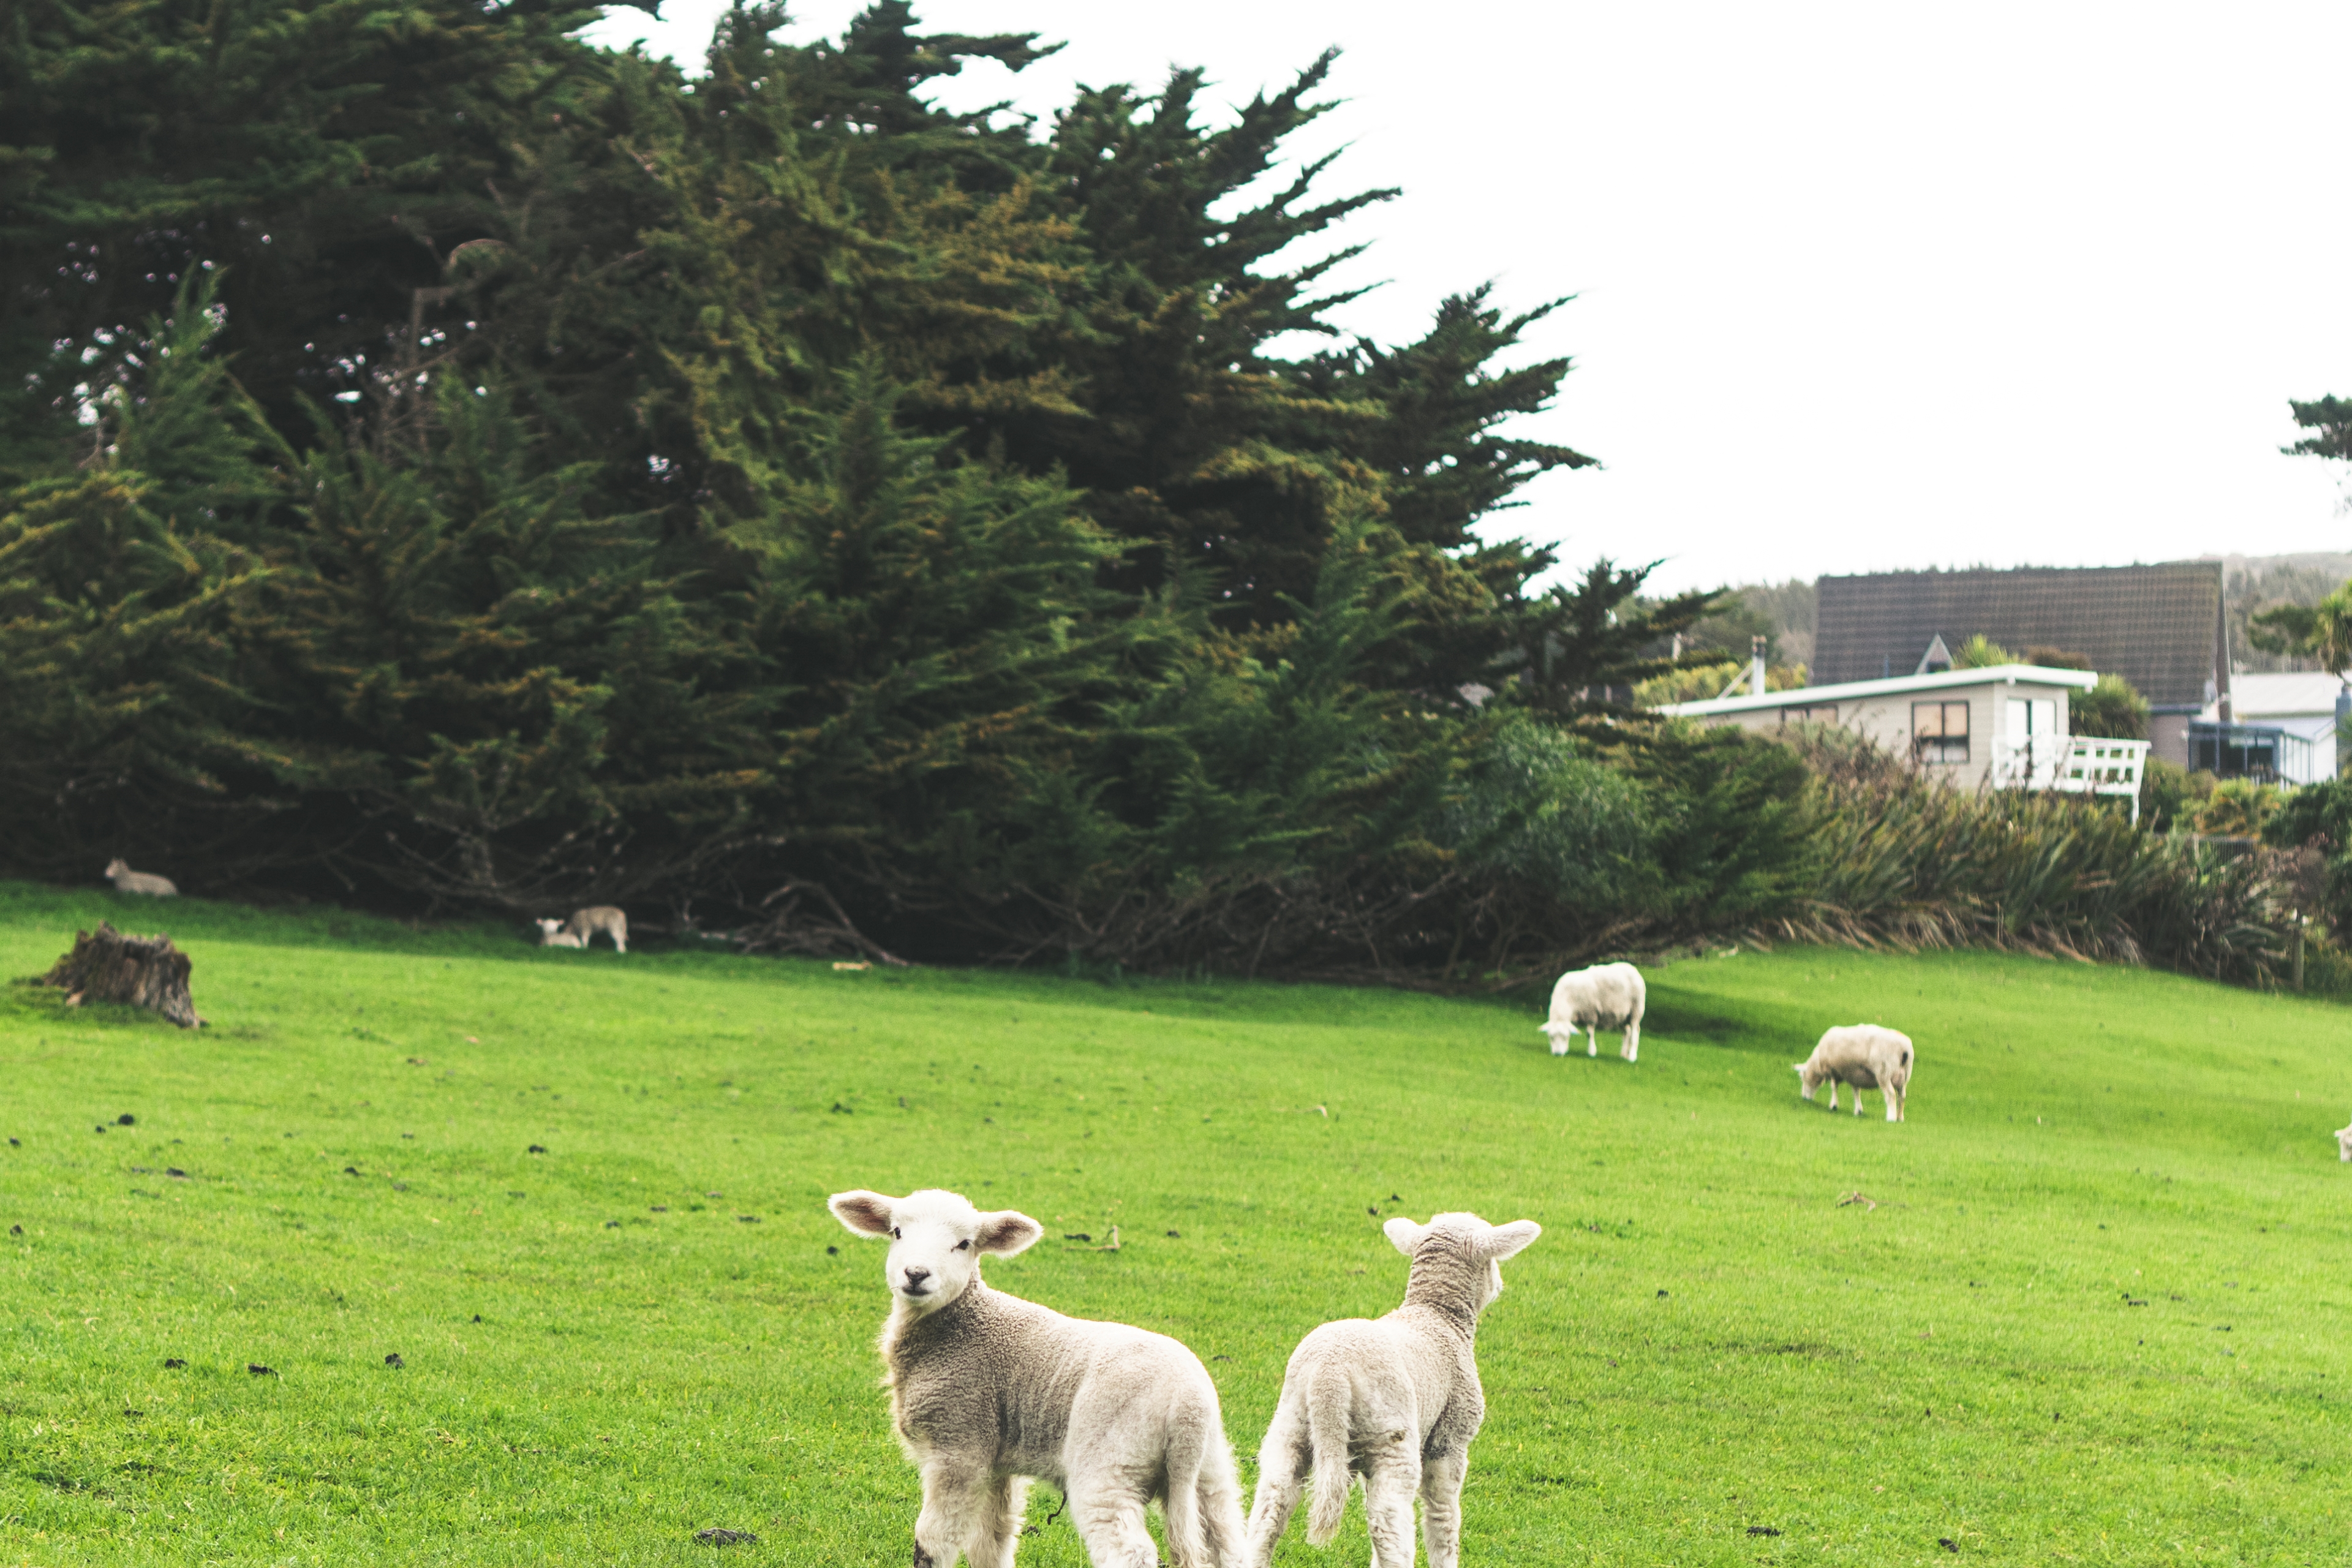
{"points": [[2097, 1314]]}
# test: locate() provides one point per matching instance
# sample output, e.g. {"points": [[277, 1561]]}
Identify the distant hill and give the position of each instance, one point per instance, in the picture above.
{"points": [[1781, 611], [2255, 582]]}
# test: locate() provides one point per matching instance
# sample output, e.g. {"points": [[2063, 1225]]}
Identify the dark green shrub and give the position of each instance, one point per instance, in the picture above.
{"points": [[1540, 807], [2113, 710], [1904, 863], [2236, 809], [2170, 794], [1737, 824], [2318, 817]]}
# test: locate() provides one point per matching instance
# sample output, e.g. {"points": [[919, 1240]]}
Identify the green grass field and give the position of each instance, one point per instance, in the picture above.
{"points": [[2097, 1315]]}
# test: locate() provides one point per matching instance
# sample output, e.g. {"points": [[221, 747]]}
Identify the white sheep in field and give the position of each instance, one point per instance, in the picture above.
{"points": [[1606, 996], [1863, 1056], [2344, 1143], [585, 924], [1395, 1400], [988, 1392], [600, 920], [126, 880]]}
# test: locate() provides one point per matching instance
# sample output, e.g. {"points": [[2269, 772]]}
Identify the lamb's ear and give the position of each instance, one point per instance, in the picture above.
{"points": [[1403, 1235], [1006, 1232], [1507, 1240], [1796, 1066], [868, 1213]]}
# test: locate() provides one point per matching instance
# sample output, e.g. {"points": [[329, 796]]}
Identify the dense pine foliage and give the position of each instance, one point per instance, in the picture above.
{"points": [[443, 462]]}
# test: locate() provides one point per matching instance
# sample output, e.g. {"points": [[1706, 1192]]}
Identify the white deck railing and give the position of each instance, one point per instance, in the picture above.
{"points": [[2072, 764]]}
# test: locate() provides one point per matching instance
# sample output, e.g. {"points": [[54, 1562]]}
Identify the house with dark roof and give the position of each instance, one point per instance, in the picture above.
{"points": [[2002, 727], [2161, 627]]}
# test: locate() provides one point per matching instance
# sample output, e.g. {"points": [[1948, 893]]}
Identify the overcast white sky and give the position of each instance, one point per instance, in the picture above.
{"points": [[1857, 286]]}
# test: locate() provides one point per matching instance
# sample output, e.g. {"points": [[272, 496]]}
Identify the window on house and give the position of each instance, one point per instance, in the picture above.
{"points": [[1939, 731], [1812, 713]]}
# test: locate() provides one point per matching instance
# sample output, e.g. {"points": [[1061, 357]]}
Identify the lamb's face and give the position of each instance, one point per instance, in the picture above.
{"points": [[115, 867], [937, 1240]]}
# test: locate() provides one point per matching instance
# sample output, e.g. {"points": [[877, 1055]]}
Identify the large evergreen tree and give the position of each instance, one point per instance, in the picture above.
{"points": [[441, 459]]}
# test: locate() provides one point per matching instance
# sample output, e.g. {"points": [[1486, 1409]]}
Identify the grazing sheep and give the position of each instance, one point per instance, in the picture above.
{"points": [[583, 926], [554, 933], [599, 919], [2344, 1143], [988, 1391], [1866, 1056], [1606, 996], [1396, 1401], [127, 880]]}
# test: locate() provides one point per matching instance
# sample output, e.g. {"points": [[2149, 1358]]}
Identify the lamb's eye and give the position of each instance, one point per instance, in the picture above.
{"points": [[894, 1232], [964, 1247]]}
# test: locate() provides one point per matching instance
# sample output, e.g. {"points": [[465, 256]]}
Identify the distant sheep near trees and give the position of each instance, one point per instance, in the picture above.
{"points": [[600, 920], [1860, 1056], [1396, 1400], [554, 933], [596, 919], [988, 1392], [126, 880], [1606, 996]]}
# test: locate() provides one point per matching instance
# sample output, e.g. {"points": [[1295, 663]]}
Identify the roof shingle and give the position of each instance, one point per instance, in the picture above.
{"points": [[2157, 626]]}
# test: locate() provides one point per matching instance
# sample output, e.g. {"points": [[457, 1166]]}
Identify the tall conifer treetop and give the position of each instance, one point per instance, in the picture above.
{"points": [[441, 459]]}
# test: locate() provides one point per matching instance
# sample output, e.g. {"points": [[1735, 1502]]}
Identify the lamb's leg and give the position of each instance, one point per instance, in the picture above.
{"points": [[1894, 1102], [1282, 1465], [997, 1530], [1857, 1099], [1107, 1514], [954, 1499], [1592, 1039], [1388, 1488], [1631, 1050], [1833, 1089], [1441, 1509]]}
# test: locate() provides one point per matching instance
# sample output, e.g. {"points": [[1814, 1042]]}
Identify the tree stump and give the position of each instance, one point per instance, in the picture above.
{"points": [[143, 971]]}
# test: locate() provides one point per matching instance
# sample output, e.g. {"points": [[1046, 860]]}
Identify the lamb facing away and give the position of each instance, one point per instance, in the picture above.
{"points": [[1606, 996], [127, 880], [1396, 1401], [988, 1391], [1866, 1056], [600, 920], [584, 925]]}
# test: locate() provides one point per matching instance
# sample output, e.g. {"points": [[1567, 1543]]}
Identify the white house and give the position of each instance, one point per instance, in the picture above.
{"points": [[2003, 726], [2162, 627]]}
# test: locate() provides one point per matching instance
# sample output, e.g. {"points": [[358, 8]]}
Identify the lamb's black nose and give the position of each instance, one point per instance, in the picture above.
{"points": [[915, 1278]]}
